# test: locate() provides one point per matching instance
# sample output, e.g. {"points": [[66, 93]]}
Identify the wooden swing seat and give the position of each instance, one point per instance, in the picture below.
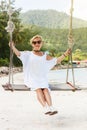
{"points": [[53, 87]]}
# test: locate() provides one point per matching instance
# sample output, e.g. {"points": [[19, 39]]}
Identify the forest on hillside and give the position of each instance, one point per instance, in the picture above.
{"points": [[50, 19]]}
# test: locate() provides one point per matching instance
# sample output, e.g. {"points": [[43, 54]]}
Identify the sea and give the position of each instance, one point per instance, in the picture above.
{"points": [[78, 76]]}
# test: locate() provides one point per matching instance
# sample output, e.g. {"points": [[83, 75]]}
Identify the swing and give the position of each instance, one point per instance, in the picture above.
{"points": [[54, 86]]}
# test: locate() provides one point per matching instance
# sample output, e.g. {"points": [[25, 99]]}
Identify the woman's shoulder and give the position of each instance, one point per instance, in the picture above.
{"points": [[25, 53]]}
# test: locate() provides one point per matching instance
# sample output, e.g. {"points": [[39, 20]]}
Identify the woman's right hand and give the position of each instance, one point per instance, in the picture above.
{"points": [[15, 50], [11, 44]]}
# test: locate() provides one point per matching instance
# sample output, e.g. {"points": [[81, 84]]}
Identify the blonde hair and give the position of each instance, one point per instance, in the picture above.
{"points": [[34, 37]]}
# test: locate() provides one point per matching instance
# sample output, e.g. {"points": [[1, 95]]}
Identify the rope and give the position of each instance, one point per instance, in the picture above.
{"points": [[70, 43], [10, 28]]}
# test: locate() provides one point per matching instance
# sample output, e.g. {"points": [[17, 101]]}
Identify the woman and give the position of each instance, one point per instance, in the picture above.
{"points": [[36, 65]]}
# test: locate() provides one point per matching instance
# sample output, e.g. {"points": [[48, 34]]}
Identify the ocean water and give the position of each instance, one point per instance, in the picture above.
{"points": [[59, 76]]}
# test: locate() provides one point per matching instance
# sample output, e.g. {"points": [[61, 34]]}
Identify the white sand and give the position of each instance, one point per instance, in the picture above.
{"points": [[21, 110]]}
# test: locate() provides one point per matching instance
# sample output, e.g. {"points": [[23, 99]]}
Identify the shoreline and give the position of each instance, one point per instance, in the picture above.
{"points": [[4, 71]]}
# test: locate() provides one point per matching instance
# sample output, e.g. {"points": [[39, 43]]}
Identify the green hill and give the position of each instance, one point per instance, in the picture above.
{"points": [[50, 19]]}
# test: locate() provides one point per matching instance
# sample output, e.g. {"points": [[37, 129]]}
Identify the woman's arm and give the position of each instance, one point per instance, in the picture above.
{"points": [[15, 50], [66, 53], [61, 58]]}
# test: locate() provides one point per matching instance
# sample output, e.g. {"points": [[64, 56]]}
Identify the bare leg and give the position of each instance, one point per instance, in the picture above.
{"points": [[47, 96], [44, 98], [41, 97]]}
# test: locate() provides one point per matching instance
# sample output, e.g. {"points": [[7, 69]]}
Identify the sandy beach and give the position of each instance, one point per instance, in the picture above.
{"points": [[22, 111]]}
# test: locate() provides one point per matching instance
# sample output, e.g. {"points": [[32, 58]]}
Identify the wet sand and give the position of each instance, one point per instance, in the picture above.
{"points": [[22, 111]]}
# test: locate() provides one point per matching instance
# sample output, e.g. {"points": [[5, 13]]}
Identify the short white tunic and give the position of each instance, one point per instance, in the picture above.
{"points": [[36, 69]]}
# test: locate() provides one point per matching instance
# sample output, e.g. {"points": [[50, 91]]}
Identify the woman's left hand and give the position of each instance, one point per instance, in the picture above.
{"points": [[68, 52]]}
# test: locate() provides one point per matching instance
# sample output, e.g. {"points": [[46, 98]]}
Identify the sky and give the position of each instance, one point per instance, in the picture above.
{"points": [[80, 6]]}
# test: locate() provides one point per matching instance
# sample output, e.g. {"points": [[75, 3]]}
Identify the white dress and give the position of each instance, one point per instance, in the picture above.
{"points": [[36, 69]]}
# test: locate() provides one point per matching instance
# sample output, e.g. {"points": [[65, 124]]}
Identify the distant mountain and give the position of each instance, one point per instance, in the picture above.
{"points": [[50, 19]]}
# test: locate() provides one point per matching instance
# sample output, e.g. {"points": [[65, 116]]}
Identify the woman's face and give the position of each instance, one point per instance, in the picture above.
{"points": [[37, 44]]}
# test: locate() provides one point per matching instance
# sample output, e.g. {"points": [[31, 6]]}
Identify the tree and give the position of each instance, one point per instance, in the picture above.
{"points": [[20, 35], [3, 33], [4, 36]]}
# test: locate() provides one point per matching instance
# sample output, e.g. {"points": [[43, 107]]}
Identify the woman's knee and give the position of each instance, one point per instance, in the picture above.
{"points": [[45, 90], [38, 90]]}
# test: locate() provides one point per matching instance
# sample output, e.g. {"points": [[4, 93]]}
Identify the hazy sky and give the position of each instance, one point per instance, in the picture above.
{"points": [[80, 6]]}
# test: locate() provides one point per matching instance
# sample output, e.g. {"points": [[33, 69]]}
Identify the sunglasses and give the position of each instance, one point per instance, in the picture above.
{"points": [[36, 42]]}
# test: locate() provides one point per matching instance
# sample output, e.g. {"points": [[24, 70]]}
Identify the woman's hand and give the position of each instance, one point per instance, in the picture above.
{"points": [[15, 50], [11, 44], [68, 52]]}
